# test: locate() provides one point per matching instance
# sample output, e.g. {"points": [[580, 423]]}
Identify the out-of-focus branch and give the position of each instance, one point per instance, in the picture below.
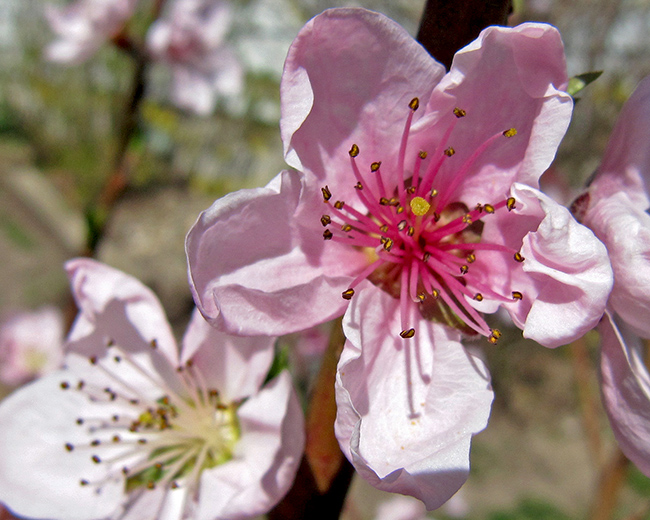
{"points": [[449, 25], [610, 482]]}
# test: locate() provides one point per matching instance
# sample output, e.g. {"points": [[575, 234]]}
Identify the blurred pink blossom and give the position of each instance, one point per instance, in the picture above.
{"points": [[616, 208], [190, 38], [432, 215], [133, 429], [31, 345], [84, 26]]}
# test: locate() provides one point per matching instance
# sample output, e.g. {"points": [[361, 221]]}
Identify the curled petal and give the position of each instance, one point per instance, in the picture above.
{"points": [[569, 277], [625, 230], [258, 268], [625, 390], [407, 409]]}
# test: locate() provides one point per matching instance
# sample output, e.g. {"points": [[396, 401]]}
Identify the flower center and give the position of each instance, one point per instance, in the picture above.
{"points": [[165, 441], [421, 242]]}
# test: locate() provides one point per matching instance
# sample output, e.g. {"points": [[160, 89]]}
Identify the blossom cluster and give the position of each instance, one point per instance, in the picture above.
{"points": [[189, 38], [412, 210]]}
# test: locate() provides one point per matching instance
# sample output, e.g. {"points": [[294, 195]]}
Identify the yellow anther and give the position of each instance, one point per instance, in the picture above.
{"points": [[399, 210], [406, 334], [510, 132], [467, 218], [471, 258], [327, 234], [479, 207], [354, 151], [421, 297], [423, 154], [388, 244], [464, 269], [518, 257], [510, 203], [384, 228], [478, 297], [394, 201], [435, 293], [434, 192], [325, 220], [402, 225], [347, 295], [384, 201], [516, 295], [327, 194], [375, 166], [450, 151], [426, 256], [358, 186], [496, 333], [410, 231], [410, 190], [459, 112], [489, 208], [346, 227], [419, 206], [339, 204], [414, 104]]}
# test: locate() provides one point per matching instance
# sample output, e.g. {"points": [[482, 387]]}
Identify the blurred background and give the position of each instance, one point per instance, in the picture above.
{"points": [[547, 452]]}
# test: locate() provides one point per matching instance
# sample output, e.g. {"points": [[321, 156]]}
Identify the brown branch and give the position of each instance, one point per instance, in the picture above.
{"points": [[610, 482], [449, 25]]}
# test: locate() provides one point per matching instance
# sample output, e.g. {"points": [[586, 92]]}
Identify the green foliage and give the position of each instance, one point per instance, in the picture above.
{"points": [[531, 509], [579, 82]]}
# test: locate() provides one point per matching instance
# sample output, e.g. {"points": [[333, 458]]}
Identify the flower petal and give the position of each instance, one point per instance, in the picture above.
{"points": [[626, 163], [266, 457], [506, 78], [569, 277], [116, 307], [36, 422], [257, 268], [349, 77], [625, 389], [625, 231], [407, 409], [236, 366]]}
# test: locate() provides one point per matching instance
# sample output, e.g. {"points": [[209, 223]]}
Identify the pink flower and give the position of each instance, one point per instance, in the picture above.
{"points": [[432, 215], [84, 26], [31, 345], [615, 208], [191, 39], [133, 429]]}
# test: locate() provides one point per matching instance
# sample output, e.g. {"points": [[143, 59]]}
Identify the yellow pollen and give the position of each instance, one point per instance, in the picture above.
{"points": [[325, 220], [434, 192], [516, 295], [354, 151], [459, 112], [510, 132], [347, 295], [358, 186], [464, 269], [375, 166], [346, 227], [450, 151], [327, 194], [435, 293], [407, 333], [510, 202], [489, 208], [478, 297], [414, 104], [419, 206], [422, 297], [339, 204], [423, 154], [518, 257], [470, 258]]}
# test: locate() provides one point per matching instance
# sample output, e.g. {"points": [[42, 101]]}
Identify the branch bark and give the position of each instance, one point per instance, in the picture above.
{"points": [[449, 25]]}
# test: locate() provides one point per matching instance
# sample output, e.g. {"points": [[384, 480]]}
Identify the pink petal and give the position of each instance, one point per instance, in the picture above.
{"points": [[626, 164], [35, 423], [258, 268], [569, 277], [625, 230], [407, 409], [348, 78], [507, 78], [236, 366], [266, 457], [625, 389], [116, 306]]}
